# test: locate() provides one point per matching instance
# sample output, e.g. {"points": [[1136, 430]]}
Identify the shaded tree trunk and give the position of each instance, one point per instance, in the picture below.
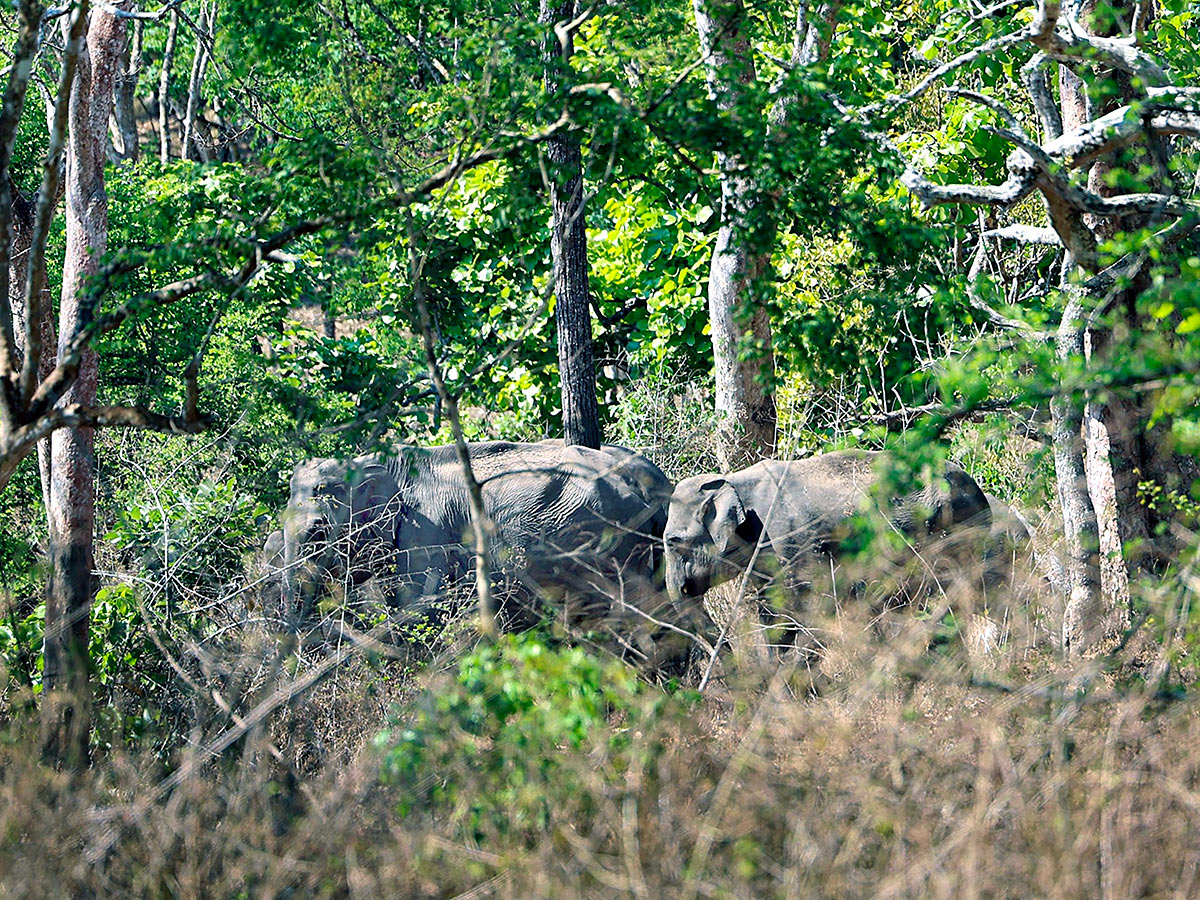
{"points": [[568, 244], [740, 263], [124, 116], [164, 90], [66, 694]]}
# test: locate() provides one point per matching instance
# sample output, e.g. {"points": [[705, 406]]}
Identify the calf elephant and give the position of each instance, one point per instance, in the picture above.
{"points": [[578, 524], [1009, 558], [790, 514]]}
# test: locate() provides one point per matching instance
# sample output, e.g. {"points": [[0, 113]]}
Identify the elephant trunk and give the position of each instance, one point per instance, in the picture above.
{"points": [[307, 562], [686, 580]]}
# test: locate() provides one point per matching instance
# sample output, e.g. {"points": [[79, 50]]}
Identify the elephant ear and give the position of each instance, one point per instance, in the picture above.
{"points": [[723, 513], [377, 499]]}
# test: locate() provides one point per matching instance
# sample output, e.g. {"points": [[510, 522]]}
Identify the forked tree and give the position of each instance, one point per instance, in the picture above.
{"points": [[1101, 433]]}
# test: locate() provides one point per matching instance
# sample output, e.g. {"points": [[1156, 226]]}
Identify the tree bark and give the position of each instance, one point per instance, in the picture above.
{"points": [[22, 241], [743, 362], [124, 115], [204, 36], [568, 246], [164, 90], [1114, 452], [1083, 607], [66, 687]]}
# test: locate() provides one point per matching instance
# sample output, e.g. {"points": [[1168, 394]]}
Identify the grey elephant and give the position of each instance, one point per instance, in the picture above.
{"points": [[1008, 527], [788, 515], [267, 575], [1008, 539], [576, 524]]}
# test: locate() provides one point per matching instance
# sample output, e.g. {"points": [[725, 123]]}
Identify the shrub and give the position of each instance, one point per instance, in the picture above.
{"points": [[496, 749]]}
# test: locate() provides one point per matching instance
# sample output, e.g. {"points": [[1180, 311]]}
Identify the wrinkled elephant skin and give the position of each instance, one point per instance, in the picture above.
{"points": [[787, 514], [572, 522]]}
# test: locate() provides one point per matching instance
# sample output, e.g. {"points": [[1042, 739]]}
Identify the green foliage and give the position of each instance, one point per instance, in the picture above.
{"points": [[198, 537], [494, 748]]}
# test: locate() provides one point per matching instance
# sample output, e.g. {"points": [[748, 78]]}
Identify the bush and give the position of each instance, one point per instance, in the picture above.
{"points": [[495, 750], [666, 417]]}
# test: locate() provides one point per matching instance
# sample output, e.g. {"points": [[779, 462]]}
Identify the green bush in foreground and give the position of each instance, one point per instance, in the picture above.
{"points": [[500, 742]]}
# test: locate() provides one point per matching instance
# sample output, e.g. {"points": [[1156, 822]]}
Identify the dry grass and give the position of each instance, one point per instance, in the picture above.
{"points": [[914, 766], [941, 750]]}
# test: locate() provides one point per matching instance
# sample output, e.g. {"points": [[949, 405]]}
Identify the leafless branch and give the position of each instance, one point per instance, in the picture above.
{"points": [[1035, 75], [1025, 234]]}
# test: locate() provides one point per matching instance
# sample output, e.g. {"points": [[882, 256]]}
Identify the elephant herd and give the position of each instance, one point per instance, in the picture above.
{"points": [[592, 535]]}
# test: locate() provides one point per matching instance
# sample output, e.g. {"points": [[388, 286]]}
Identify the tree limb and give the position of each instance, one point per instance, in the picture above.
{"points": [[47, 200], [1025, 234], [23, 440]]}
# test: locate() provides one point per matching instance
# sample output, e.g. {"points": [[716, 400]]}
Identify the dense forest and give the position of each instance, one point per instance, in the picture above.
{"points": [[707, 448]]}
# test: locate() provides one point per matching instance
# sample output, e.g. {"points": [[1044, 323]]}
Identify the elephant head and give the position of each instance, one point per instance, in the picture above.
{"points": [[709, 535], [942, 506], [340, 520]]}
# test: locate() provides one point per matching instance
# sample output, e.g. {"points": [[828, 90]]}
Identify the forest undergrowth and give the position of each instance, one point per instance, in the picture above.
{"points": [[942, 749]]}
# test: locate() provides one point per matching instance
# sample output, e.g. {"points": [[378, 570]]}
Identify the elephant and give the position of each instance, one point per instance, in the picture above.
{"points": [[789, 515], [339, 527], [1008, 545], [1008, 528], [577, 524], [267, 574]]}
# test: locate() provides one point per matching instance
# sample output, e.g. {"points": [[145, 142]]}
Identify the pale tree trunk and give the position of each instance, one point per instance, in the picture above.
{"points": [[66, 695], [1083, 610], [1083, 471], [568, 244], [204, 36], [125, 141], [1111, 429], [1119, 447], [741, 258], [164, 90]]}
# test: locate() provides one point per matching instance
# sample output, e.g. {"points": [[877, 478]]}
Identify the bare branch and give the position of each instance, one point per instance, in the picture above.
{"points": [[22, 441], [1015, 188], [994, 316], [1070, 44], [1026, 234], [481, 523], [1035, 75], [987, 47]]}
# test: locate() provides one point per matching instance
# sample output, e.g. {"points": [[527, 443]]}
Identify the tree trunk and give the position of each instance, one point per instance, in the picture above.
{"points": [[740, 263], [568, 245], [22, 240], [164, 90], [1083, 608], [204, 35], [124, 116], [66, 688], [1114, 451]]}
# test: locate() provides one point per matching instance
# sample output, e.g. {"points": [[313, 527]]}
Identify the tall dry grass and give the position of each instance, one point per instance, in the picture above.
{"points": [[913, 764], [937, 750]]}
